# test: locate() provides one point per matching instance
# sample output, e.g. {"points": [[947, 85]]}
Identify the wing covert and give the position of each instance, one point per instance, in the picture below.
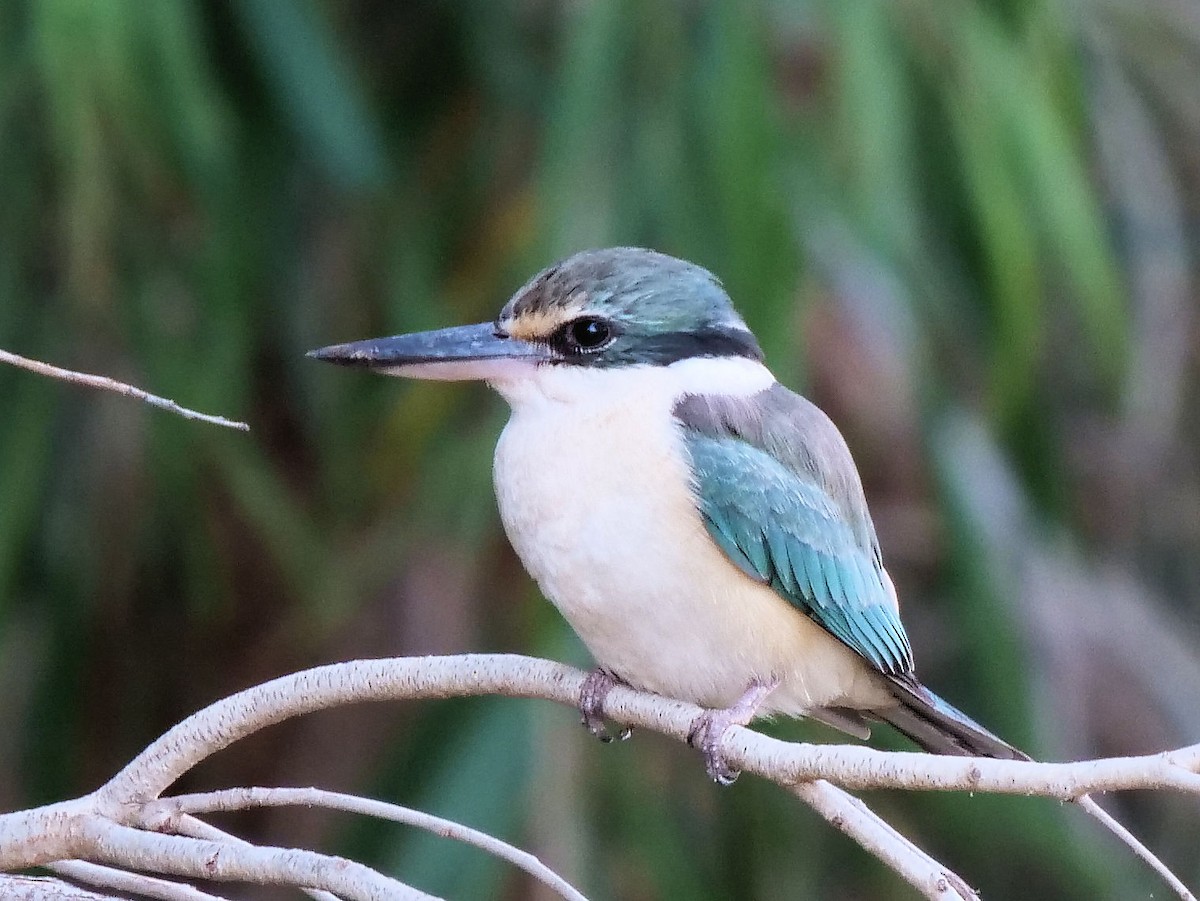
{"points": [[781, 526]]}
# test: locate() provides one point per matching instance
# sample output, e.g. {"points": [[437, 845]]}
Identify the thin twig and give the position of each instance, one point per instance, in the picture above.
{"points": [[1151, 859], [852, 816], [242, 798], [129, 883], [104, 383]]}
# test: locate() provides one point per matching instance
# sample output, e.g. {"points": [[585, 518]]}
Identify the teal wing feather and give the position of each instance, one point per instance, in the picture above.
{"points": [[780, 517]]}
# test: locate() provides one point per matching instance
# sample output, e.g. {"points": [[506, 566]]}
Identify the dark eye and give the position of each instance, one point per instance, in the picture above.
{"points": [[587, 333]]}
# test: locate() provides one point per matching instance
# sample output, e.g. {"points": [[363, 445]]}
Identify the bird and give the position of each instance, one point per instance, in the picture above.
{"points": [[702, 528]]}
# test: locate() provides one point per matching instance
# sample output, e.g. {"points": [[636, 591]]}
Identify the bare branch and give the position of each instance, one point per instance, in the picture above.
{"points": [[74, 829], [42, 888], [852, 816], [136, 849], [30, 838], [130, 883], [242, 798], [185, 824], [1134, 844], [857, 767], [849, 766], [104, 383]]}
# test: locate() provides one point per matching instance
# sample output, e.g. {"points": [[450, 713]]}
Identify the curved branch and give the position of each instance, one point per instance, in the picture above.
{"points": [[243, 798], [129, 883], [193, 827], [136, 849], [782, 762], [809, 771], [413, 678]]}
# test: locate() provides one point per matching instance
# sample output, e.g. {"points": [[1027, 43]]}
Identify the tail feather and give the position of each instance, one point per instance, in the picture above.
{"points": [[938, 726]]}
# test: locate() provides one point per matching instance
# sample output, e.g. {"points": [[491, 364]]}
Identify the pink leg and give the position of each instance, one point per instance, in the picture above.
{"points": [[710, 727], [591, 704]]}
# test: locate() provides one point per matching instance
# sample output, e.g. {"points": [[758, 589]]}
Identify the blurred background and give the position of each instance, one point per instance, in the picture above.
{"points": [[968, 230]]}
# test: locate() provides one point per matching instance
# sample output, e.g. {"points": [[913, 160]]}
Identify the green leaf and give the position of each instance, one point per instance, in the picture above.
{"points": [[314, 82]]}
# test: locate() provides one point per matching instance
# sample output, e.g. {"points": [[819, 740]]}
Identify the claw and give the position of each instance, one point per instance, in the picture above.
{"points": [[591, 705], [705, 735], [708, 730]]}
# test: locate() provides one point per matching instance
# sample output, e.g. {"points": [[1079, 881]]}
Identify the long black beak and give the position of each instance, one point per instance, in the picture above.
{"points": [[451, 354]]}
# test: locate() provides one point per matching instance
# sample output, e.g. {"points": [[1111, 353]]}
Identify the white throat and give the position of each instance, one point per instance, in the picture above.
{"points": [[643, 385]]}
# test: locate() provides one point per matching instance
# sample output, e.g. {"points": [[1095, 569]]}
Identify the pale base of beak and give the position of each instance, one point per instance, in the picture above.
{"points": [[495, 369]]}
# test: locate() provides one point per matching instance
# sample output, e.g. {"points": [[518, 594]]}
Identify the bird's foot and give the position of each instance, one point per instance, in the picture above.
{"points": [[709, 728], [595, 689]]}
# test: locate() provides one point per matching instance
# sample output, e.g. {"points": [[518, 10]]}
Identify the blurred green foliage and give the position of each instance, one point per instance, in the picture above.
{"points": [[968, 229]]}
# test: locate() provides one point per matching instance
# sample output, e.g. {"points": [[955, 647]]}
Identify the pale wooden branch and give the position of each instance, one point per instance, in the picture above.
{"points": [[137, 849], [1109, 822], [186, 824], [103, 383], [168, 809], [130, 883], [83, 828], [852, 816], [414, 678], [43, 888]]}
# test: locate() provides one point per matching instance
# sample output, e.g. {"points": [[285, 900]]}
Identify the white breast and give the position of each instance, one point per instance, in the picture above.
{"points": [[594, 491]]}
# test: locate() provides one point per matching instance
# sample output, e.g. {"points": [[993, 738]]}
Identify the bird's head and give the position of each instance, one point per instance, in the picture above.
{"points": [[618, 307]]}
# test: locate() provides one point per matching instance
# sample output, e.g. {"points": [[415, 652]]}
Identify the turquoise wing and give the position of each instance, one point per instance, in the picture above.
{"points": [[782, 527]]}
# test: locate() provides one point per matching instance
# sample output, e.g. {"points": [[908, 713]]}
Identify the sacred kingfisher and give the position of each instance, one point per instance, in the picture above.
{"points": [[702, 528]]}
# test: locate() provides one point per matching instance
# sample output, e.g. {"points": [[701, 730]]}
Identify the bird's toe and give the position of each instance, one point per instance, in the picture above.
{"points": [[706, 735], [708, 729], [595, 689]]}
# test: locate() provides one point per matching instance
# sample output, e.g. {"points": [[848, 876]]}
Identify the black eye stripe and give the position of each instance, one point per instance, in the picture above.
{"points": [[641, 348]]}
